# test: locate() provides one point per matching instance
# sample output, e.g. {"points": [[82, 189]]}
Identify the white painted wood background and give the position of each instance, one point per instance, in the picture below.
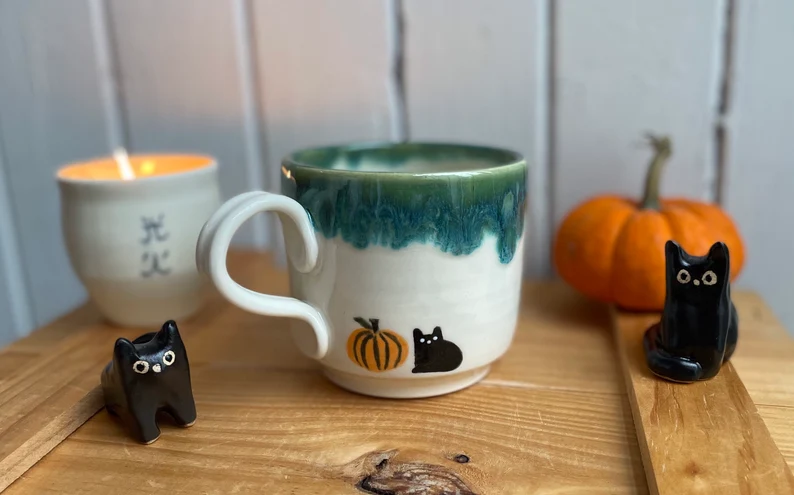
{"points": [[573, 84]]}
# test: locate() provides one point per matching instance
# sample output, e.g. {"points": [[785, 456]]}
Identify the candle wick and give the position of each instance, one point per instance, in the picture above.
{"points": [[123, 163]]}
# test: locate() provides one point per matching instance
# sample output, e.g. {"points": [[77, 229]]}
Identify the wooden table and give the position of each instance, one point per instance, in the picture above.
{"points": [[552, 417]]}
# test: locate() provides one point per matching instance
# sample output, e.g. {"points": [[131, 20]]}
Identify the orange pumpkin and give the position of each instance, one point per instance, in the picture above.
{"points": [[375, 349], [611, 248]]}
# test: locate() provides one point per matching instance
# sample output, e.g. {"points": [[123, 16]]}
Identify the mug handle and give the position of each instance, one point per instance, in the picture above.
{"points": [[213, 246]]}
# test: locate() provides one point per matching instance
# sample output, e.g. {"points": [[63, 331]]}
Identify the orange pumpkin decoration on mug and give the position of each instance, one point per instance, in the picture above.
{"points": [[611, 248], [374, 349]]}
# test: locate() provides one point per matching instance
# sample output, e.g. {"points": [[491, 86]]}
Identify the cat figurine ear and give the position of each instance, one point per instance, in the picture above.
{"points": [[124, 351], [672, 251], [698, 329], [146, 376]]}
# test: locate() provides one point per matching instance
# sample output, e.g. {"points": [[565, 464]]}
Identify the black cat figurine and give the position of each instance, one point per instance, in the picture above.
{"points": [[699, 326], [433, 354], [148, 375]]}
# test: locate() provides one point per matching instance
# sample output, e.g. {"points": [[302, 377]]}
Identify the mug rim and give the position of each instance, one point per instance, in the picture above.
{"points": [[502, 159], [210, 165]]}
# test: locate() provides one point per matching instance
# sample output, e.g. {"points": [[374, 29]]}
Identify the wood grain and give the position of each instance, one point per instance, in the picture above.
{"points": [[44, 401], [551, 417], [697, 438]]}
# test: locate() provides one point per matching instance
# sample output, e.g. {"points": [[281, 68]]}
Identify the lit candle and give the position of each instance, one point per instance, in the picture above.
{"points": [[131, 224]]}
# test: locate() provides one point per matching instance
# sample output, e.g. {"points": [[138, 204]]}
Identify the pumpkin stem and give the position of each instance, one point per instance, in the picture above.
{"points": [[374, 322], [364, 323], [662, 151]]}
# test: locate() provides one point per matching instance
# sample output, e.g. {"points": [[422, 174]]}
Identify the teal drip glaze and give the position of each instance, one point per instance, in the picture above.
{"points": [[453, 212], [362, 217]]}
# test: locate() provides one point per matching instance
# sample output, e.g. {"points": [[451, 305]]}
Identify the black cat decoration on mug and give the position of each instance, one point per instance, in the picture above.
{"points": [[148, 375], [434, 354], [698, 330]]}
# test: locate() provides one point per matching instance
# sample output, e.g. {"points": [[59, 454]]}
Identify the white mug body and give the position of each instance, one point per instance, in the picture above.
{"points": [[132, 243], [405, 261], [471, 299]]}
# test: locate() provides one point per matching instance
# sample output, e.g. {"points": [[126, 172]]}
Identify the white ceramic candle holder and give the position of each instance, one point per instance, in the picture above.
{"points": [[131, 228]]}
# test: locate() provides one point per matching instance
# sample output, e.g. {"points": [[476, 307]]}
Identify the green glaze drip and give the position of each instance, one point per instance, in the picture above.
{"points": [[453, 211]]}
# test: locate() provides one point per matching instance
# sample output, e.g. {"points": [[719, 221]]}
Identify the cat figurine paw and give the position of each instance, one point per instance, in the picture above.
{"points": [[146, 376], [698, 330]]}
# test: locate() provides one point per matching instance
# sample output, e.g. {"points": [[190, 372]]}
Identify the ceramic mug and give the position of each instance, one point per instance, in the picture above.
{"points": [[405, 260], [132, 242]]}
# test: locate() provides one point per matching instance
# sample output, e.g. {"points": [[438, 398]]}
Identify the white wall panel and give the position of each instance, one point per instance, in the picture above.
{"points": [[624, 68], [181, 86], [475, 72], [760, 159], [325, 75], [16, 316], [50, 114]]}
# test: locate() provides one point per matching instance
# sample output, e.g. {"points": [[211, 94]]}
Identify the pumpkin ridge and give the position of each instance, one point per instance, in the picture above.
{"points": [[726, 229], [398, 360], [376, 351], [385, 351], [637, 280], [614, 255], [687, 229], [363, 350], [361, 333], [613, 261], [585, 241]]}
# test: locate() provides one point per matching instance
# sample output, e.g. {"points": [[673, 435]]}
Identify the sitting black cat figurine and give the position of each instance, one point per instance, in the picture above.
{"points": [[699, 326], [147, 375], [433, 354]]}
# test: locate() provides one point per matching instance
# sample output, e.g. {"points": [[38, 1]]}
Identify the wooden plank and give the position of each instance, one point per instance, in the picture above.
{"points": [[270, 422], [701, 437], [479, 76], [624, 69], [43, 403], [325, 76], [50, 114], [758, 171], [181, 87], [50, 385]]}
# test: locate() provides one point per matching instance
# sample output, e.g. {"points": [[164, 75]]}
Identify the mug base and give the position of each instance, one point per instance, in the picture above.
{"points": [[407, 388]]}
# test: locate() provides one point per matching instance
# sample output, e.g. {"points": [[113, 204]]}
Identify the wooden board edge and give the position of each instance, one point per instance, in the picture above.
{"points": [[635, 323], [623, 353], [49, 437]]}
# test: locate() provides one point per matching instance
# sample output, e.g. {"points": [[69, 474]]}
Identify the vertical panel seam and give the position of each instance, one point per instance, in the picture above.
{"points": [[108, 74], [10, 258], [550, 97], [721, 128], [252, 107], [397, 87]]}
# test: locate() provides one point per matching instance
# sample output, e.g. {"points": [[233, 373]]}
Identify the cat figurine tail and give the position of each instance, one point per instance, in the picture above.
{"points": [[698, 330], [148, 375]]}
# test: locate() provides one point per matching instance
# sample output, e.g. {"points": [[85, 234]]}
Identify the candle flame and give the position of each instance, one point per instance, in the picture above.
{"points": [[123, 163], [147, 167]]}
